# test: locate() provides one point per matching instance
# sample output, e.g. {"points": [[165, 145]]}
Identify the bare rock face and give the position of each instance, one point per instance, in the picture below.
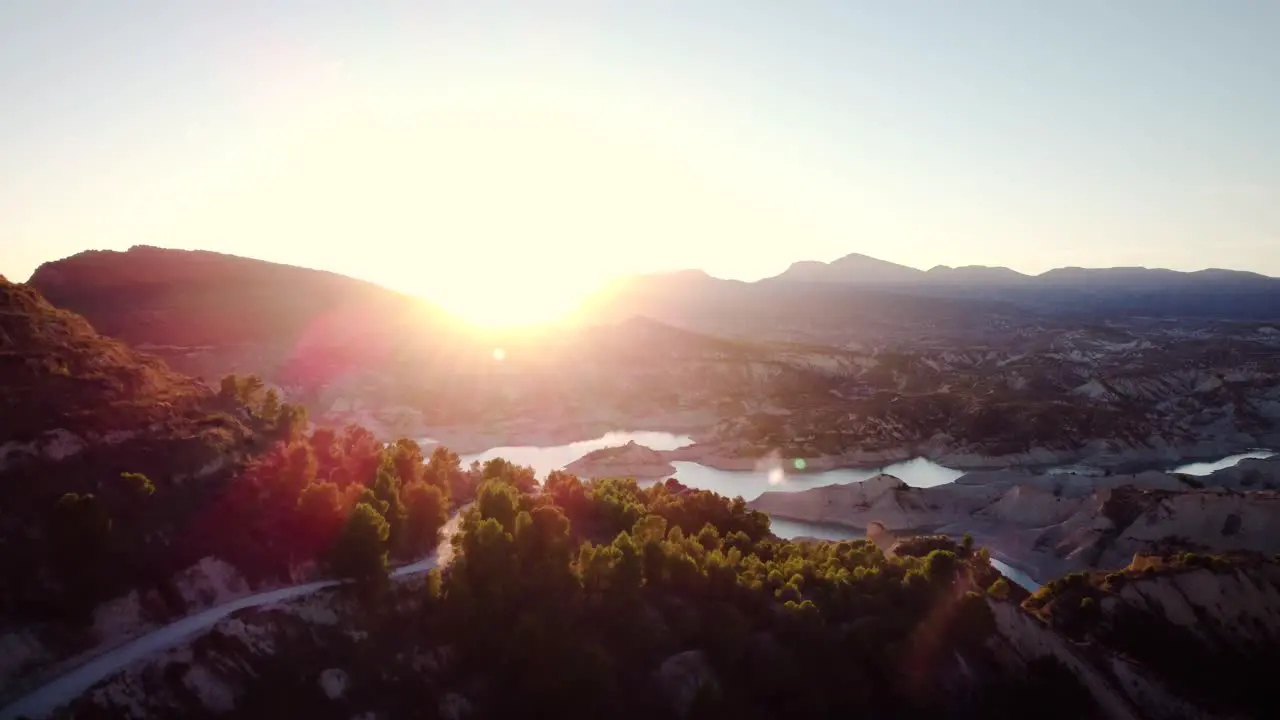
{"points": [[883, 498], [1051, 525], [455, 707], [209, 582], [20, 651], [1161, 639], [683, 677], [215, 693], [878, 534], [1244, 603], [333, 682], [632, 460]]}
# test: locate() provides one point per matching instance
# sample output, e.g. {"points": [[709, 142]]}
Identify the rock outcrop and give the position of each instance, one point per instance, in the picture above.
{"points": [[212, 673], [684, 677], [208, 583], [333, 682]]}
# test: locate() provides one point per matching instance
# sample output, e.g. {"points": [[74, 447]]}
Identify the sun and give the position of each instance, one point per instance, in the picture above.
{"points": [[521, 308], [515, 305], [507, 214]]}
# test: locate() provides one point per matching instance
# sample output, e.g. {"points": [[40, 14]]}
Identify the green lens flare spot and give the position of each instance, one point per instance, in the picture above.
{"points": [[798, 463]]}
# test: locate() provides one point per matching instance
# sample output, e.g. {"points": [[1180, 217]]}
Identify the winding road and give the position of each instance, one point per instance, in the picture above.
{"points": [[43, 701]]}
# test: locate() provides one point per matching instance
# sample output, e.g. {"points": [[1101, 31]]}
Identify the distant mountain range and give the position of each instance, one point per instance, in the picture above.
{"points": [[865, 270], [1092, 294], [1098, 293], [154, 296]]}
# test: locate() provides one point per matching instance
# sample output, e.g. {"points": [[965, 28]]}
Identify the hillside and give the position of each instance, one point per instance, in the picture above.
{"points": [[1054, 524], [80, 409], [589, 599], [826, 371], [607, 600], [352, 352], [208, 314], [198, 298], [602, 599], [56, 372], [1167, 636], [131, 494]]}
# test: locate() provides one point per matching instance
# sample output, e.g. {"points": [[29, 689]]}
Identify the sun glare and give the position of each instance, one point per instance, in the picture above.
{"points": [[531, 202], [514, 305]]}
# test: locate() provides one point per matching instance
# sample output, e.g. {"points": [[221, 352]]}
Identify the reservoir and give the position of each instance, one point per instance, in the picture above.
{"points": [[749, 484], [918, 472], [730, 483]]}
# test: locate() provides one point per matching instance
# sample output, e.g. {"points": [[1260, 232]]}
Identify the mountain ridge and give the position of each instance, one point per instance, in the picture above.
{"points": [[809, 270]]}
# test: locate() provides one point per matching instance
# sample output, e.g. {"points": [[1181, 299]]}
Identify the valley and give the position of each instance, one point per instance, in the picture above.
{"points": [[1044, 389], [639, 361], [240, 457]]}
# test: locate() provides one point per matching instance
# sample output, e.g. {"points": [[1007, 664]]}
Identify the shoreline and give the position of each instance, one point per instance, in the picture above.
{"points": [[1135, 460], [1097, 455], [1032, 571], [474, 439], [1036, 573]]}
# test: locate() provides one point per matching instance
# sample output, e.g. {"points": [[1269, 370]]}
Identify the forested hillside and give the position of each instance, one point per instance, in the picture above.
{"points": [[117, 473], [564, 598], [605, 599]]}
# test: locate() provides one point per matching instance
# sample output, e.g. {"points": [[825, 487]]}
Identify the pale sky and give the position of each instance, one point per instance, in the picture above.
{"points": [[449, 147]]}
